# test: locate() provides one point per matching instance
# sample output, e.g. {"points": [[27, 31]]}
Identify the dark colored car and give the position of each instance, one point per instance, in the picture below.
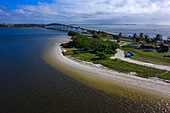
{"points": [[127, 55], [132, 54]]}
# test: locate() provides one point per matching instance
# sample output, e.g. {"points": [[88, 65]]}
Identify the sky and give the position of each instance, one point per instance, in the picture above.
{"points": [[86, 11]]}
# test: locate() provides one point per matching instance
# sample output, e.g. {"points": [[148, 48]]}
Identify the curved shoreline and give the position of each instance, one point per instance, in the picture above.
{"points": [[110, 75]]}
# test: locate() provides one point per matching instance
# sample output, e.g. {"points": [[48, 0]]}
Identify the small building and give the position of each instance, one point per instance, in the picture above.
{"points": [[8, 24]]}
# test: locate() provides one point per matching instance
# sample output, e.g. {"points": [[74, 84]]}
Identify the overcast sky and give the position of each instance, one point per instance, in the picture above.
{"points": [[86, 11]]}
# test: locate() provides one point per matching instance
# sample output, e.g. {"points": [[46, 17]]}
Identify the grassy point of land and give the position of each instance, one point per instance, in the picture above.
{"points": [[81, 55], [97, 48], [118, 65], [151, 56]]}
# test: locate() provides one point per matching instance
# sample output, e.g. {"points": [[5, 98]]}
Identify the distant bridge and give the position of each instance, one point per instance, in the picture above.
{"points": [[66, 27]]}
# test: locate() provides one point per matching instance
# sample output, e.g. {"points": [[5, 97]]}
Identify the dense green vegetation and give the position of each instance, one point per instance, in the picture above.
{"points": [[146, 38], [82, 55], [100, 34], [94, 49], [119, 65], [117, 37], [92, 45], [102, 55], [146, 42], [148, 55], [72, 33], [149, 50]]}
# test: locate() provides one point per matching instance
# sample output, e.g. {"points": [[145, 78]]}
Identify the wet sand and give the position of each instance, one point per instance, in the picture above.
{"points": [[110, 75]]}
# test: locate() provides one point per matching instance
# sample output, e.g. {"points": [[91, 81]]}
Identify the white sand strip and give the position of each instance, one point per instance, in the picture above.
{"points": [[110, 75]]}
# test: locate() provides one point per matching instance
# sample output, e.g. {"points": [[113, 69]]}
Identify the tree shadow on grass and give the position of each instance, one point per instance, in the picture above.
{"points": [[94, 59]]}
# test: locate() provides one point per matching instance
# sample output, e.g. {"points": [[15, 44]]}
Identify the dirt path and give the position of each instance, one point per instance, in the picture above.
{"points": [[120, 55]]}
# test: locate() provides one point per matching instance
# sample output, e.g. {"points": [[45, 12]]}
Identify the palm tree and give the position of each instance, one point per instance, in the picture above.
{"points": [[134, 37], [138, 40], [104, 34], [141, 35], [153, 41], [147, 39], [168, 41], [93, 32], [120, 35], [159, 37]]}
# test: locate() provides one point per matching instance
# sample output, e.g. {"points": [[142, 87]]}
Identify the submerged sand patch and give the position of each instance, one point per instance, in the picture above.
{"points": [[131, 87]]}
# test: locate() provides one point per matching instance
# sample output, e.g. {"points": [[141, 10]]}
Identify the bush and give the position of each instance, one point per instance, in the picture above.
{"points": [[163, 49], [93, 44], [76, 52], [68, 45], [63, 53], [102, 55], [72, 33], [147, 47], [147, 50], [118, 40]]}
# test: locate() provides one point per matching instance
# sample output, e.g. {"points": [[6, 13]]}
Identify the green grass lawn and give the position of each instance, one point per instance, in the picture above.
{"points": [[119, 65], [81, 56], [153, 56], [126, 67]]}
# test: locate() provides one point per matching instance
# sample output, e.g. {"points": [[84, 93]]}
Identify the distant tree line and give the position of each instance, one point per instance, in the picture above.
{"points": [[146, 41], [23, 25], [146, 38], [99, 34], [117, 37]]}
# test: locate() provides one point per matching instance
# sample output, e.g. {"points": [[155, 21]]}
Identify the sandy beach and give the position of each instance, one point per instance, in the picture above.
{"points": [[158, 86]]}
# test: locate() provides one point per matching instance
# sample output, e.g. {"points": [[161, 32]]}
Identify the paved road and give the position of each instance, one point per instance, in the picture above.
{"points": [[120, 55]]}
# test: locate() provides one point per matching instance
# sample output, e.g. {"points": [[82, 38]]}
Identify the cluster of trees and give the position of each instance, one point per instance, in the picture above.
{"points": [[93, 45], [99, 34], [72, 33], [102, 55], [146, 38], [168, 40], [163, 48], [117, 37]]}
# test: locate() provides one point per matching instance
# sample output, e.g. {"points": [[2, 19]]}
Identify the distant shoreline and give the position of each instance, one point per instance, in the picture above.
{"points": [[22, 25]]}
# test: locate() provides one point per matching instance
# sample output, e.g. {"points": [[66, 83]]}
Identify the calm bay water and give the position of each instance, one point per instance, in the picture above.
{"points": [[150, 30], [28, 84]]}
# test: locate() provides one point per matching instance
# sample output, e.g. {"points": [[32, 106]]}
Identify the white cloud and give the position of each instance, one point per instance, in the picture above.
{"points": [[154, 11], [1, 11], [4, 13], [20, 11]]}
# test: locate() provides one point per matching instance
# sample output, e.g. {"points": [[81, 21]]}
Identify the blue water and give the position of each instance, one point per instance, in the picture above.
{"points": [[150, 30], [29, 85]]}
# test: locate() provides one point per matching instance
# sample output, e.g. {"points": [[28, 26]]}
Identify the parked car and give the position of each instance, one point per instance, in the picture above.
{"points": [[127, 55], [132, 54]]}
